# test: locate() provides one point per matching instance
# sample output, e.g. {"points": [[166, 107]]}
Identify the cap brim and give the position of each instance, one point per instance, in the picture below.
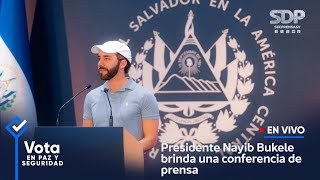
{"points": [[95, 49]]}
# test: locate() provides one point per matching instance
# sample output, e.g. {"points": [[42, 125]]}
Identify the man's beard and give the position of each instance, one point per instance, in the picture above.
{"points": [[111, 73]]}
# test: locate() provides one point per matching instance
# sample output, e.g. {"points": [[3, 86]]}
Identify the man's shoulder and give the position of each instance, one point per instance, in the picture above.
{"points": [[141, 90]]}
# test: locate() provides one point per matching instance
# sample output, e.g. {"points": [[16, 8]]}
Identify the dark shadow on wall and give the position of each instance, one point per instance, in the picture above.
{"points": [[50, 64]]}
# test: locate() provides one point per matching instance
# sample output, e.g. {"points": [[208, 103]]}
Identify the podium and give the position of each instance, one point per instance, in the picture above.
{"points": [[89, 153]]}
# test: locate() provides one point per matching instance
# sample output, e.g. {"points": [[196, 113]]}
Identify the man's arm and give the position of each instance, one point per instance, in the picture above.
{"points": [[87, 123], [150, 132]]}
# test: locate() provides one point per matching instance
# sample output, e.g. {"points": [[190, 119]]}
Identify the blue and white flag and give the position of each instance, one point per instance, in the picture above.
{"points": [[16, 97]]}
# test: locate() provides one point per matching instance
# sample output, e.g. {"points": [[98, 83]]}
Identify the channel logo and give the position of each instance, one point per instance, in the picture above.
{"points": [[286, 21]]}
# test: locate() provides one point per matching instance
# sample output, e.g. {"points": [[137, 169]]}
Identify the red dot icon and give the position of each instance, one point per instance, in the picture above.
{"points": [[261, 129]]}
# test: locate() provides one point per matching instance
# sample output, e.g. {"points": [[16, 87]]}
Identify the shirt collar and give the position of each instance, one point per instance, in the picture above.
{"points": [[129, 86]]}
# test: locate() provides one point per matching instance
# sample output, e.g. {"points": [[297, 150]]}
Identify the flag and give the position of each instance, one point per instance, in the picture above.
{"points": [[16, 97]]}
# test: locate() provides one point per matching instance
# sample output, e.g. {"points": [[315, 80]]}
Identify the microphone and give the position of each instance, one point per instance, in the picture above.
{"points": [[111, 117], [58, 116]]}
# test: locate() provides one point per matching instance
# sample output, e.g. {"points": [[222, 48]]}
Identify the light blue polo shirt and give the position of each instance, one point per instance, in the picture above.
{"points": [[130, 105]]}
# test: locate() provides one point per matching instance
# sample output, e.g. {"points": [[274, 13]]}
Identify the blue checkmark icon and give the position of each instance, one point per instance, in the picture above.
{"points": [[17, 130]]}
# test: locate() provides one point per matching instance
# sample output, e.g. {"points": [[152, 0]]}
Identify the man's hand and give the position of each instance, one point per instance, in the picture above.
{"points": [[87, 123], [150, 132]]}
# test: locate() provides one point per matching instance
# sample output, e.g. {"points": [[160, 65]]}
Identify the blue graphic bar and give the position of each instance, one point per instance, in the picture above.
{"points": [[16, 158], [283, 137]]}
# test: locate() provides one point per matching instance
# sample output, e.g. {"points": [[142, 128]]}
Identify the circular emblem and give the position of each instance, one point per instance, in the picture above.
{"points": [[205, 92], [189, 63]]}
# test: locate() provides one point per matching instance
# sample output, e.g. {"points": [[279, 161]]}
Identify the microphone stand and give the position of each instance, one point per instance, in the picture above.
{"points": [[58, 116], [111, 116]]}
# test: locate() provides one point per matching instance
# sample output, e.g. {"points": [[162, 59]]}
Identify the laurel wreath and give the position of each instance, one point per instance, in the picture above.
{"points": [[206, 132], [8, 104]]}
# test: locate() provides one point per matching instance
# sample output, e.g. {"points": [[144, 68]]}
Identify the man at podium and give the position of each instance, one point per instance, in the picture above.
{"points": [[120, 101]]}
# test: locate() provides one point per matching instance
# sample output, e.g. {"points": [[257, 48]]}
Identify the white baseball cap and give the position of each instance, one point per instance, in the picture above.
{"points": [[113, 47]]}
